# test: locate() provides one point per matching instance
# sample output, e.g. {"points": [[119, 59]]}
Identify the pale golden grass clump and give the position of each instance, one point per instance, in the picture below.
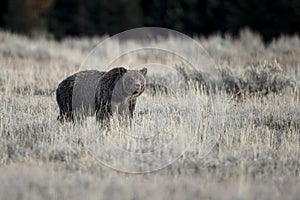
{"points": [[251, 112]]}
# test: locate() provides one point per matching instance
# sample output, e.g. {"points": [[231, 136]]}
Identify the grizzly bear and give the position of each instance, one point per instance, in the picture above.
{"points": [[92, 92]]}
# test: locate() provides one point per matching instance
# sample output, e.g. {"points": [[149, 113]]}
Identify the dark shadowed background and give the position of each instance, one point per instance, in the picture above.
{"points": [[193, 17], [59, 18]]}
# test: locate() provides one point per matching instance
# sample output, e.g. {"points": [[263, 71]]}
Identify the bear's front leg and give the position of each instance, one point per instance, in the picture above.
{"points": [[103, 113], [132, 103], [128, 108]]}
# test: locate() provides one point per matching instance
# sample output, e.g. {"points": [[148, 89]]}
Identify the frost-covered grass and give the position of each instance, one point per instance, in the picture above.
{"points": [[256, 155]]}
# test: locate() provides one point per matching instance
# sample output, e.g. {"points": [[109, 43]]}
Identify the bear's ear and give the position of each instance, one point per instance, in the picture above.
{"points": [[144, 71]]}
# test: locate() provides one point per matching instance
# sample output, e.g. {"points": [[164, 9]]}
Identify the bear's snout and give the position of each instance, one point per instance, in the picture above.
{"points": [[138, 86]]}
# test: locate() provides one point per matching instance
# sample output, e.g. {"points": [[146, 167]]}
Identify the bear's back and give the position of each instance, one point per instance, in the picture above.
{"points": [[84, 90]]}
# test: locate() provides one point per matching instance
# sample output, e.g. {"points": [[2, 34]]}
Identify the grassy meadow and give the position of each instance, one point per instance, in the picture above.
{"points": [[251, 112]]}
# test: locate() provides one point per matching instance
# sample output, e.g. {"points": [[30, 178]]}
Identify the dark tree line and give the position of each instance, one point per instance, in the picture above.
{"points": [[194, 17]]}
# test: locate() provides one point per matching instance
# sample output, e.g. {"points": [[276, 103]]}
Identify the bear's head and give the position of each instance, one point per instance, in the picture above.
{"points": [[130, 85]]}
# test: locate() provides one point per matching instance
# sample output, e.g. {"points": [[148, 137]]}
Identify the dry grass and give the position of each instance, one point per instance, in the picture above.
{"points": [[256, 155]]}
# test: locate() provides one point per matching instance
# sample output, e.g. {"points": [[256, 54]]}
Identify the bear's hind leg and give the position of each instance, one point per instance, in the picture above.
{"points": [[65, 117]]}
